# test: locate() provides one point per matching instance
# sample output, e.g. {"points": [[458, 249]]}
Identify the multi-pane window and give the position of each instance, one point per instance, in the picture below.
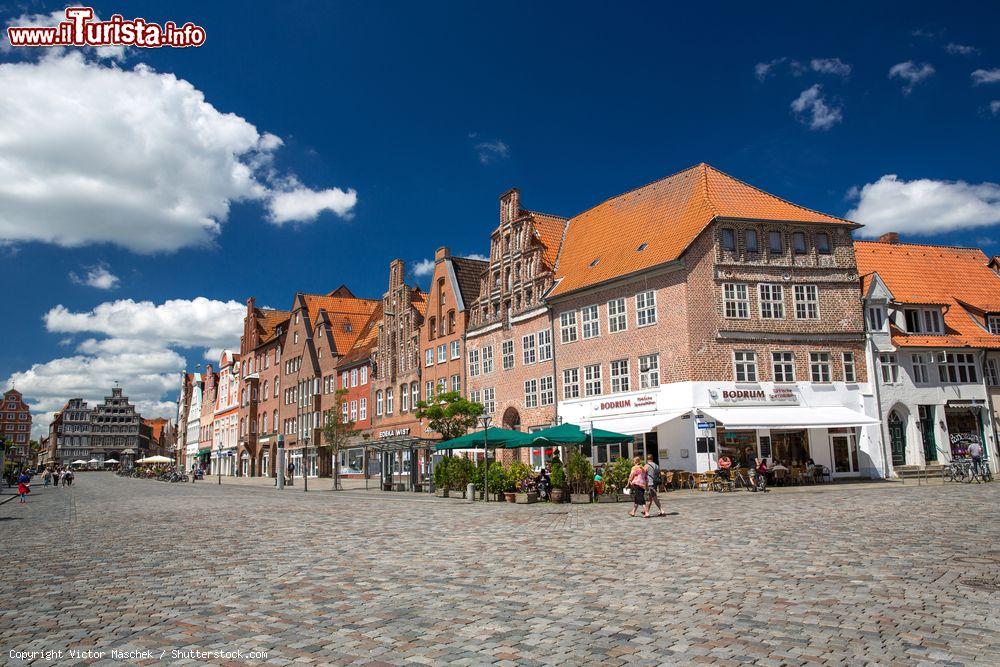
{"points": [[993, 323], [571, 383], [507, 354], [649, 371], [617, 318], [992, 371], [592, 380], [547, 393], [799, 243], [772, 303], [354, 377], [957, 367], [388, 401], [364, 375], [429, 357], [745, 365], [783, 366], [823, 243], [567, 326], [442, 353], [474, 396], [645, 308], [819, 366], [354, 411], [429, 389], [750, 241], [850, 371], [363, 409], [590, 319], [728, 239], [806, 302], [775, 243], [490, 400], [456, 349], [619, 376], [456, 383], [736, 301], [920, 363], [378, 402], [876, 318], [529, 351], [889, 368], [404, 398], [473, 363], [531, 393], [545, 345], [487, 359]]}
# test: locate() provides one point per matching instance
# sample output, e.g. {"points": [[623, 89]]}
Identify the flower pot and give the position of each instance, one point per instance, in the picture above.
{"points": [[509, 497], [556, 495], [526, 498], [579, 498], [441, 493]]}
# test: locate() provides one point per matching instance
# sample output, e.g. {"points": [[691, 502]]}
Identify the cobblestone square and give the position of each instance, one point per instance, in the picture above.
{"points": [[894, 574]]}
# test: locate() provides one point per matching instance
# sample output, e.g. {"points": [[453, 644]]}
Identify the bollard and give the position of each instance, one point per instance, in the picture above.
{"points": [[279, 480], [470, 491]]}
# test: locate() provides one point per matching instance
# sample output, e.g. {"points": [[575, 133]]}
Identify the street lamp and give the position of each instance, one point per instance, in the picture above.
{"points": [[485, 419], [218, 461], [305, 464]]}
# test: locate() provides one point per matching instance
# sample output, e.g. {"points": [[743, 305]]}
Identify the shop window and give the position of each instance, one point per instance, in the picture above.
{"points": [[790, 447], [772, 303], [745, 365], [739, 446], [750, 241], [819, 366]]}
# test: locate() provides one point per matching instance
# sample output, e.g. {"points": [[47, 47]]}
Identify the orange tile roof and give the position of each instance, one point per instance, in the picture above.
{"points": [[269, 321], [156, 424], [347, 316], [959, 279], [550, 230], [667, 215], [367, 340]]}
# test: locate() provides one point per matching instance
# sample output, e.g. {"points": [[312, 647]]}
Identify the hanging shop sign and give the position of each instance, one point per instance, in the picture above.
{"points": [[774, 396]]}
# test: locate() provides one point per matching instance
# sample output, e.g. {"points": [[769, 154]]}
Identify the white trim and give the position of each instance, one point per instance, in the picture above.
{"points": [[528, 316]]}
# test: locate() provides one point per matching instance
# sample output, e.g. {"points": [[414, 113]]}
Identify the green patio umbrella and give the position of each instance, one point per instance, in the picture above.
{"points": [[491, 437], [570, 434]]}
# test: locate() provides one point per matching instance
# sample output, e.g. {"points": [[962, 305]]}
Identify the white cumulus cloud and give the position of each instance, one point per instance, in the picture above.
{"points": [[960, 49], [833, 66], [91, 153], [813, 109], [984, 76], [99, 277], [766, 69], [911, 74], [490, 151], [424, 267], [995, 107], [924, 206]]}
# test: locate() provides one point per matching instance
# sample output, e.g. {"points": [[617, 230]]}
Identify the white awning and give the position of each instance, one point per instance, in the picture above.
{"points": [[633, 424], [789, 417]]}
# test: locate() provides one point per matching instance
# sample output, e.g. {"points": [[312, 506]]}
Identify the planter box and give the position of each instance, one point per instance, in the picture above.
{"points": [[579, 498], [612, 498], [454, 493], [526, 498], [441, 493], [556, 496]]}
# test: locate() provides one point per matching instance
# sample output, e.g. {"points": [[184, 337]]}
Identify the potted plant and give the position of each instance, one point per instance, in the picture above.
{"points": [[615, 478], [520, 477], [477, 477], [580, 474], [558, 479], [496, 480], [442, 477], [459, 475]]}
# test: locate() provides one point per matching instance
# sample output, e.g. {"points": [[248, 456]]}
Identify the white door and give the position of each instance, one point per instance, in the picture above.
{"points": [[844, 455]]}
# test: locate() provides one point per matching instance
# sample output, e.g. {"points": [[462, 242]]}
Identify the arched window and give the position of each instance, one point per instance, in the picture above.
{"points": [[276, 386], [264, 393]]}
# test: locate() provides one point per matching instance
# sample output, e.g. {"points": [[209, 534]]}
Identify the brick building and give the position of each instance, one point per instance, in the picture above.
{"points": [[161, 436], [509, 350], [397, 369], [15, 425], [454, 288], [355, 372], [260, 349], [225, 417], [933, 316], [116, 430], [183, 412], [321, 329], [707, 317], [206, 418]]}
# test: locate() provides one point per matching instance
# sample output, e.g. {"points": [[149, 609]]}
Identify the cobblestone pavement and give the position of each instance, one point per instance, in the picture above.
{"points": [[898, 574]]}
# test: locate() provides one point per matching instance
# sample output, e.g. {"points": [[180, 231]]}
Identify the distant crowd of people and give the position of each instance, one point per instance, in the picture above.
{"points": [[50, 477]]}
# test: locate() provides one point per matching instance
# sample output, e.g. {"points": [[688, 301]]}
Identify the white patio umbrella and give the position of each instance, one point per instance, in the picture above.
{"points": [[111, 460], [93, 461], [155, 459], [78, 462]]}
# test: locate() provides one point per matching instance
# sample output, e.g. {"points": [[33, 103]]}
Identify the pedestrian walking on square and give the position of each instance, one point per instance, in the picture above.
{"points": [[69, 477], [46, 478], [637, 487], [23, 487], [652, 484], [291, 474]]}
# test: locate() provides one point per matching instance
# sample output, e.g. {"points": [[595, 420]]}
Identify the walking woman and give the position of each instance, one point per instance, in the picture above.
{"points": [[22, 486], [637, 487]]}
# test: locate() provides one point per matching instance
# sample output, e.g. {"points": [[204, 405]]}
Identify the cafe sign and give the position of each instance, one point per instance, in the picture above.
{"points": [[641, 403], [753, 396]]}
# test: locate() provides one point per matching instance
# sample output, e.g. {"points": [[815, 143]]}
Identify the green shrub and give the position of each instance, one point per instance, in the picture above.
{"points": [[579, 473], [460, 472], [558, 477], [518, 473], [442, 476], [615, 476], [497, 478]]}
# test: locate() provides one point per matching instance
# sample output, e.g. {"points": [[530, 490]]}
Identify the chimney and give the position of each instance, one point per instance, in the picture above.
{"points": [[442, 253], [889, 237]]}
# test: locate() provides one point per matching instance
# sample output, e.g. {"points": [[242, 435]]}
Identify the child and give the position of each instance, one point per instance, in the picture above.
{"points": [[22, 487]]}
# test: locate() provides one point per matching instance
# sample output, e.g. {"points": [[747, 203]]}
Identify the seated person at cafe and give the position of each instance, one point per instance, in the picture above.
{"points": [[725, 463]]}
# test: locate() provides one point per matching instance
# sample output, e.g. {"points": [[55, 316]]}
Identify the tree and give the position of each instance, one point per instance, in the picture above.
{"points": [[337, 431], [449, 414]]}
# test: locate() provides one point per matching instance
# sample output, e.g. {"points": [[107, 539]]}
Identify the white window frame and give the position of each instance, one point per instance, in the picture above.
{"points": [[378, 403], [590, 322], [487, 359], [456, 349], [745, 366], [544, 340], [546, 390], [806, 302], [620, 377], [571, 383], [850, 368], [771, 301], [821, 366], [735, 301], [888, 364], [920, 367], [531, 393], [363, 409], [993, 324], [507, 354], [617, 315], [783, 360], [957, 368], [593, 384], [490, 400], [442, 353], [992, 372], [645, 308], [473, 363], [649, 371], [388, 401], [568, 331], [529, 351], [428, 357], [364, 375]]}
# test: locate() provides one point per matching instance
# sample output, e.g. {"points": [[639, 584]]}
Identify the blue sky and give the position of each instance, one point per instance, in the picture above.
{"points": [[428, 112]]}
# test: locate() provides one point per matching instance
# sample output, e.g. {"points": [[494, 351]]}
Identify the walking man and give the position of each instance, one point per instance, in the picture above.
{"points": [[291, 474], [652, 484], [976, 453]]}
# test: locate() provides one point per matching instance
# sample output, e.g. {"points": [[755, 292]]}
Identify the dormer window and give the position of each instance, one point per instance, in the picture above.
{"points": [[876, 318], [993, 324], [728, 239], [923, 320]]}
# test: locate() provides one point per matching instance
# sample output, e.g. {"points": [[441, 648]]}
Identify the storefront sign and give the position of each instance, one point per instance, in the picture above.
{"points": [[643, 403], [394, 433], [775, 396]]}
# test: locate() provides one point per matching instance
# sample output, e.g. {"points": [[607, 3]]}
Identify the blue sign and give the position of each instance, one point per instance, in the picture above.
{"points": [[706, 424]]}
